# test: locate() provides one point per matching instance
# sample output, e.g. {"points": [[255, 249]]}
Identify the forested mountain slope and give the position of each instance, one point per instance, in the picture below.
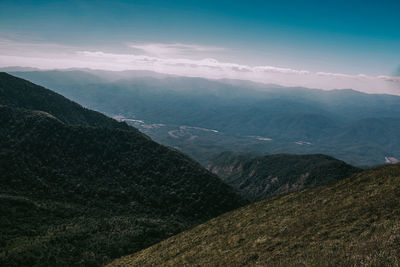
{"points": [[20, 93], [77, 194]]}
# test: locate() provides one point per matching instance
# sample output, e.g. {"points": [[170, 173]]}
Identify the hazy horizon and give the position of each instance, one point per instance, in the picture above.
{"points": [[345, 45]]}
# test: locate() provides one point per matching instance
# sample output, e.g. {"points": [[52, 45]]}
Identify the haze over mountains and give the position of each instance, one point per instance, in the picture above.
{"points": [[204, 117], [199, 133]]}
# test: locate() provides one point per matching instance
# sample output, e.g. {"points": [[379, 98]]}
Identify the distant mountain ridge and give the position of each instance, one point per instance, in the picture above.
{"points": [[345, 124], [79, 188], [256, 178]]}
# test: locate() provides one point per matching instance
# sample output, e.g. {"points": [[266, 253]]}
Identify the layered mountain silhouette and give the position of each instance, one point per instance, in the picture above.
{"points": [[256, 178], [79, 188], [361, 129]]}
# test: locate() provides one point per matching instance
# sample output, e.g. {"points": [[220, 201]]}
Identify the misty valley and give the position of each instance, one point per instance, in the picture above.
{"points": [[204, 118]]}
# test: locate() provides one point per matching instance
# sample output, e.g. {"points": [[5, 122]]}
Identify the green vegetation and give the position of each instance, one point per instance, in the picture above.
{"points": [[78, 188], [354, 222], [256, 178], [37, 232]]}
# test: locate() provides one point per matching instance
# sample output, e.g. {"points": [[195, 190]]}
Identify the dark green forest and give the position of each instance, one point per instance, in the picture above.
{"points": [[78, 188]]}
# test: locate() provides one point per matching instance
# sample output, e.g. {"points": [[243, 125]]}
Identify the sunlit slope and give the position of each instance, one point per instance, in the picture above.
{"points": [[355, 222]]}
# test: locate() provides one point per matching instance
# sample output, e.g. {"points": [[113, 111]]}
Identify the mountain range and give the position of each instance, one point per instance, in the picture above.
{"points": [[204, 118], [78, 188]]}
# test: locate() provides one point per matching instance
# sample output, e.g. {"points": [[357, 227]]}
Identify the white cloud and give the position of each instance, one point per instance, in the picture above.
{"points": [[165, 59], [173, 49]]}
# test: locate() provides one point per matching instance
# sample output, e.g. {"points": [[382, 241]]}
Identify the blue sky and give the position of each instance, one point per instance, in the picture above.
{"points": [[347, 37]]}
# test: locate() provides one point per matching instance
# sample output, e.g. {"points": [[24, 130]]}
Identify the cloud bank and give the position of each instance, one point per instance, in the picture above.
{"points": [[166, 58], [173, 50]]}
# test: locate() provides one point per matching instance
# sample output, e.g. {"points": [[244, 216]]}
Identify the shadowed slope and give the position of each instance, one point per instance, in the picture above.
{"points": [[20, 93], [256, 178], [77, 191]]}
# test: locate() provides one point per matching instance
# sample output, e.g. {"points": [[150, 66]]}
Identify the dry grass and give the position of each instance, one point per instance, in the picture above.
{"points": [[355, 222]]}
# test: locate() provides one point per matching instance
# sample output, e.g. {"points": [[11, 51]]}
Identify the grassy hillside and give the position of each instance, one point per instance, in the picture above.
{"points": [[256, 178], [354, 222], [72, 194]]}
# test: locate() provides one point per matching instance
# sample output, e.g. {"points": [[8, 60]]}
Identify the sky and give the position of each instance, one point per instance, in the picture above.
{"points": [[319, 44]]}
